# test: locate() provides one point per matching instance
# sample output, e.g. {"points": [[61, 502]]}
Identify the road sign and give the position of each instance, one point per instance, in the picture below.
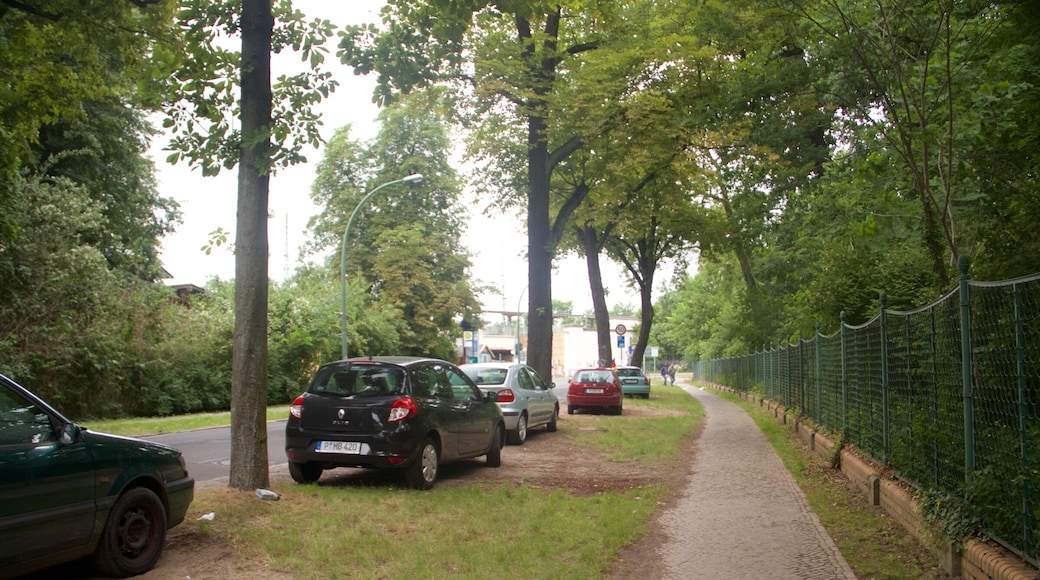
{"points": [[620, 330], [621, 341]]}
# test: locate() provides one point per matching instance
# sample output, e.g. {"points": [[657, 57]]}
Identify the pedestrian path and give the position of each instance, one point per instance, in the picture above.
{"points": [[742, 515]]}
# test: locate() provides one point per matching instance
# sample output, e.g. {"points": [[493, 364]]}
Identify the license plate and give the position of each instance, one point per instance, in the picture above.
{"points": [[594, 391], [338, 447]]}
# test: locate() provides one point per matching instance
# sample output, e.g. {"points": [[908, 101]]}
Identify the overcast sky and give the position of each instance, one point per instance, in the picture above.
{"points": [[208, 203]]}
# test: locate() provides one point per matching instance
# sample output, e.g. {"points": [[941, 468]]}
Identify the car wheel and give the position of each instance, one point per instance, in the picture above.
{"points": [[304, 472], [551, 426], [423, 472], [133, 538], [519, 435], [617, 410], [494, 456], [570, 410]]}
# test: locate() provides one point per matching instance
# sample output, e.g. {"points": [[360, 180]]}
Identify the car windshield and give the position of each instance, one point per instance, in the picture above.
{"points": [[364, 380], [595, 376], [487, 376]]}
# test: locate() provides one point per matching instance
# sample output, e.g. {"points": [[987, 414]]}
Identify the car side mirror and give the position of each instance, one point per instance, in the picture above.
{"points": [[69, 434], [491, 396], [552, 385]]}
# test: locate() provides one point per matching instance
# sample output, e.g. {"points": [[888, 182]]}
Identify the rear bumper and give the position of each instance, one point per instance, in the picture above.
{"points": [[594, 400], [300, 447]]}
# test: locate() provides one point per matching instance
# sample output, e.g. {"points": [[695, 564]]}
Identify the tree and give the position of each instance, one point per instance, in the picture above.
{"points": [[522, 51], [276, 121]]}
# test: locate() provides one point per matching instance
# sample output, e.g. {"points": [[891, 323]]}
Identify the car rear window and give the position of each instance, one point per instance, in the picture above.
{"points": [[629, 373], [595, 377], [487, 376], [359, 381]]}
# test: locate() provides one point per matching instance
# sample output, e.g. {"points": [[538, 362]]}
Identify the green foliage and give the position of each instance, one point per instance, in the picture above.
{"points": [[200, 81], [407, 272]]}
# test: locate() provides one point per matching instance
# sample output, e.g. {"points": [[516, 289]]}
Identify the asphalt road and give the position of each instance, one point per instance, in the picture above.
{"points": [[208, 451]]}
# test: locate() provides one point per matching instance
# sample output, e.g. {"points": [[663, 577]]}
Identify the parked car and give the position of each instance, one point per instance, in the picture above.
{"points": [[394, 412], [634, 383], [67, 492], [525, 399], [595, 388]]}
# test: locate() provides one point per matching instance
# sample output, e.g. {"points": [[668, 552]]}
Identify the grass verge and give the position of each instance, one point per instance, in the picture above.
{"points": [[478, 529], [140, 426]]}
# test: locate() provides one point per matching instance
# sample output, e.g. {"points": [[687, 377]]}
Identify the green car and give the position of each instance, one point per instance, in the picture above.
{"points": [[67, 493], [633, 382]]}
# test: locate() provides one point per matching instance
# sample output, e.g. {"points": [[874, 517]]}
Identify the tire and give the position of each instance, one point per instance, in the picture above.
{"points": [[422, 473], [519, 435], [550, 427], [134, 534], [494, 456], [305, 472], [570, 410]]}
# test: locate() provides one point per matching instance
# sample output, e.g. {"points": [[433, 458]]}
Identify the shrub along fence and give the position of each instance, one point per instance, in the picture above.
{"points": [[947, 396]]}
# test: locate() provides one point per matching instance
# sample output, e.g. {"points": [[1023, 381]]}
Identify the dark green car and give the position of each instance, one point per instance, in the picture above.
{"points": [[67, 493]]}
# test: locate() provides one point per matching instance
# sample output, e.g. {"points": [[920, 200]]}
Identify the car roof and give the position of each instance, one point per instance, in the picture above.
{"points": [[404, 361], [491, 365]]}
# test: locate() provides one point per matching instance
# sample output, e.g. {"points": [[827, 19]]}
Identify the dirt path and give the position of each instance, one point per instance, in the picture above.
{"points": [[740, 513]]}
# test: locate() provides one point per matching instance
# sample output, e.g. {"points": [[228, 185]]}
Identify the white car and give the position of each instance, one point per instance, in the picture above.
{"points": [[525, 399]]}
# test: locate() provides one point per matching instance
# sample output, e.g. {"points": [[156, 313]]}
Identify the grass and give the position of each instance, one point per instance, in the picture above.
{"points": [[478, 530], [874, 545], [138, 427], [494, 530]]}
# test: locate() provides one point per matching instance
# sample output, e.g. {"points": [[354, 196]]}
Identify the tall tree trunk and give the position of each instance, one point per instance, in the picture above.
{"points": [[539, 250], [249, 361], [591, 245]]}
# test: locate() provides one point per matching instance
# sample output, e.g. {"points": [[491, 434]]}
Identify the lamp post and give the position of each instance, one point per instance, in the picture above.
{"points": [[414, 178], [518, 346]]}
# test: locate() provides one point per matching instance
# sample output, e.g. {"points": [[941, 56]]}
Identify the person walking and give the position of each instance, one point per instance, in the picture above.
{"points": [[671, 372], [664, 374]]}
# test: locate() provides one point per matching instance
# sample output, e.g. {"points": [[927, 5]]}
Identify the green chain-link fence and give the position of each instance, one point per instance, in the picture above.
{"points": [[947, 396]]}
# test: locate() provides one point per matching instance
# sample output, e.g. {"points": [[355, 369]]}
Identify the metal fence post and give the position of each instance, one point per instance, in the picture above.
{"points": [[886, 417], [966, 372], [819, 383], [1023, 425], [844, 382]]}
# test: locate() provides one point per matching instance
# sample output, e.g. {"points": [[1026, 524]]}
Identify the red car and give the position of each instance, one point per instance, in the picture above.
{"points": [[595, 388]]}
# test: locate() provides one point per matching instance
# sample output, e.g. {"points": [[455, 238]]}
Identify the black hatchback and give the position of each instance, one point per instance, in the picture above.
{"points": [[406, 413]]}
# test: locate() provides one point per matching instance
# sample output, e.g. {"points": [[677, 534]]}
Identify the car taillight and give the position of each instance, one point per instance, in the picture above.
{"points": [[506, 396], [402, 409], [296, 409], [646, 381]]}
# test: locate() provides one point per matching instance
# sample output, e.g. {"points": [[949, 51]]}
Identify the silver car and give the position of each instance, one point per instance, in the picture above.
{"points": [[525, 399]]}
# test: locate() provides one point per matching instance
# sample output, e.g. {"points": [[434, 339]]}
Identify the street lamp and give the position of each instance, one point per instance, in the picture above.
{"points": [[518, 346], [414, 178]]}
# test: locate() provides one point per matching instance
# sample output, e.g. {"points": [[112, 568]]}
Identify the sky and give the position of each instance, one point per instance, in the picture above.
{"points": [[496, 244]]}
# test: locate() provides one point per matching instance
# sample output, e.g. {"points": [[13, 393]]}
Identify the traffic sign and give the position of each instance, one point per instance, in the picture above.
{"points": [[620, 329]]}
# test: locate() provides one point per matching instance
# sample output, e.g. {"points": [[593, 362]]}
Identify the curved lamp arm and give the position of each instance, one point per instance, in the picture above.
{"points": [[414, 178]]}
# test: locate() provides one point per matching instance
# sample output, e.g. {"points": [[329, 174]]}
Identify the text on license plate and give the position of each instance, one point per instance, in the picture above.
{"points": [[338, 447], [594, 391]]}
